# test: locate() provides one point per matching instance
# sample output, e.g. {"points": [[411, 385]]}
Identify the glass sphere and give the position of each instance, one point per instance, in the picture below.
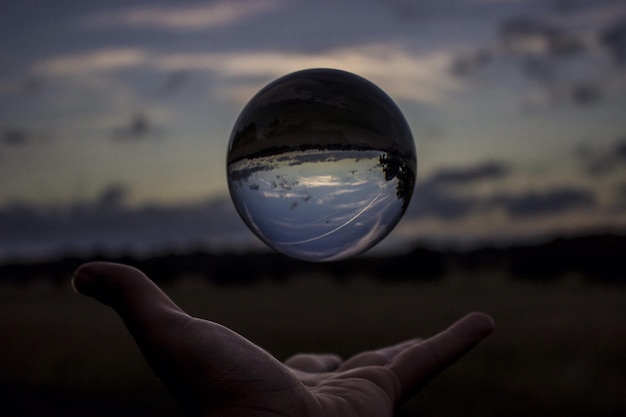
{"points": [[321, 164]]}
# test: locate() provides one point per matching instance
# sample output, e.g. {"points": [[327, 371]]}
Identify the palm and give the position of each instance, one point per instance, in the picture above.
{"points": [[242, 379], [213, 371]]}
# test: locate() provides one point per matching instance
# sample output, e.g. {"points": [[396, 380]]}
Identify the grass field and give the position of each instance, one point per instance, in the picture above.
{"points": [[559, 348]]}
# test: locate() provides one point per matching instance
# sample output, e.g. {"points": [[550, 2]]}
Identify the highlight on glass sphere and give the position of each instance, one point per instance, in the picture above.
{"points": [[321, 165]]}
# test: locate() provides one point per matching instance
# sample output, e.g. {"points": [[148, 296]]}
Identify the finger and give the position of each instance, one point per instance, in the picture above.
{"points": [[378, 357], [417, 365], [139, 302], [391, 351], [157, 324], [153, 319], [314, 363], [198, 360]]}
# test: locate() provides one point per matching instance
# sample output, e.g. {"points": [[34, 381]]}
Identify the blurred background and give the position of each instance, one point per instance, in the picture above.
{"points": [[114, 124]]}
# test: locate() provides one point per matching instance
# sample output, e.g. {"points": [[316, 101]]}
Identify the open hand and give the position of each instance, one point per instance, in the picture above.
{"points": [[213, 371]]}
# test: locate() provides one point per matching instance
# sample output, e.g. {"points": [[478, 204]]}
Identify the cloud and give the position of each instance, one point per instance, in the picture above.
{"points": [[479, 172], [174, 82], [14, 137], [108, 224], [540, 203], [540, 70], [104, 60], [551, 90], [546, 54], [602, 161], [22, 87], [421, 78], [431, 200], [499, 1], [614, 39], [139, 126], [114, 196], [192, 17], [533, 36], [559, 53], [620, 197], [586, 93], [467, 64], [20, 137], [439, 197]]}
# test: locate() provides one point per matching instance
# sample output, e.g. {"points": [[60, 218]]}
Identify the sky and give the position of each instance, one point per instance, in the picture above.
{"points": [[115, 116]]}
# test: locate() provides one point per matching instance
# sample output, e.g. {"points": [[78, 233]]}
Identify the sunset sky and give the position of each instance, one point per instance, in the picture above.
{"points": [[115, 116]]}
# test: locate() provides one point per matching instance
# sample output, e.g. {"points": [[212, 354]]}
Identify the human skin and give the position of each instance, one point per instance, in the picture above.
{"points": [[214, 372]]}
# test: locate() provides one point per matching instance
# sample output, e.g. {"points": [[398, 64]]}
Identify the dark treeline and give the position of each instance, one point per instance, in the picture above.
{"points": [[598, 258]]}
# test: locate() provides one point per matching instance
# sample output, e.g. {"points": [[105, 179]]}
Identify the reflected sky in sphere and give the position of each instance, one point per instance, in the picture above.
{"points": [[321, 165]]}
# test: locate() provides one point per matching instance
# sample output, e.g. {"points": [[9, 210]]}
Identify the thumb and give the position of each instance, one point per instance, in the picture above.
{"points": [[151, 317], [137, 300], [157, 324]]}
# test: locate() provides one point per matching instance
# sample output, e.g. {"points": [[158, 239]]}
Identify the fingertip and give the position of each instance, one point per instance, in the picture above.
{"points": [[86, 277], [418, 364], [73, 284], [476, 325], [82, 279], [101, 279], [123, 287]]}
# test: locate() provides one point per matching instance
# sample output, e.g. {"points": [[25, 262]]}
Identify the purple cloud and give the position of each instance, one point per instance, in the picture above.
{"points": [[108, 224], [548, 202]]}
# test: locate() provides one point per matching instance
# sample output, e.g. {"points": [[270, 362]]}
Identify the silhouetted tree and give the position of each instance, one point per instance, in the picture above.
{"points": [[394, 167]]}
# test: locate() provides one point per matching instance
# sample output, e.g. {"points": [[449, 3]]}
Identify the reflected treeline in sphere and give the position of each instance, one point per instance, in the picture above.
{"points": [[321, 164]]}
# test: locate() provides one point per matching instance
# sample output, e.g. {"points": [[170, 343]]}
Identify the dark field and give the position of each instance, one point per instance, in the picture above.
{"points": [[559, 347]]}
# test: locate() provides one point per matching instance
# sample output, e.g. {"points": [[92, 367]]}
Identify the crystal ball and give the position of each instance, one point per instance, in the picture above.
{"points": [[321, 164]]}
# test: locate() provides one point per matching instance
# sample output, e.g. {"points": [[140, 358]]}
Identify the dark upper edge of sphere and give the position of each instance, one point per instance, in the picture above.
{"points": [[320, 99]]}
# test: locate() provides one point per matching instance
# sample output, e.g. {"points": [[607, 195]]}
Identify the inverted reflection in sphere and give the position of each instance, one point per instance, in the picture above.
{"points": [[321, 164]]}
